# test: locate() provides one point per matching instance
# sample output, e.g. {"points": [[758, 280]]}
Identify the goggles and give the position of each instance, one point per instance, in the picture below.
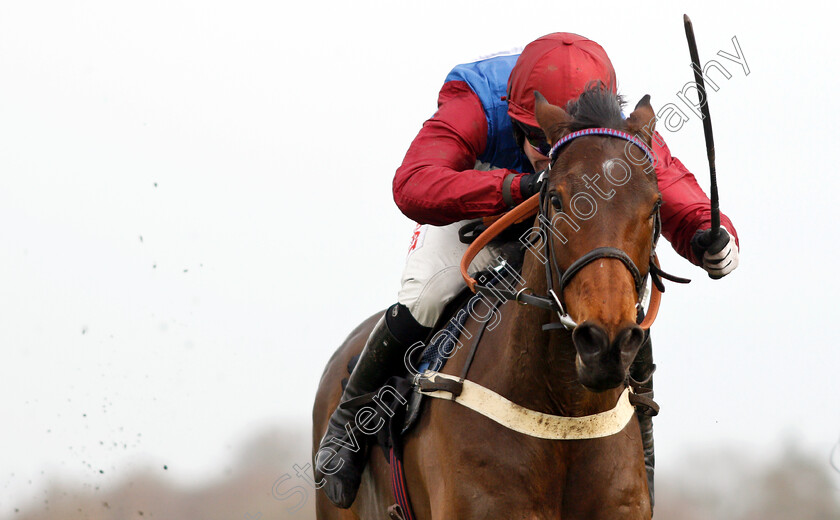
{"points": [[535, 137]]}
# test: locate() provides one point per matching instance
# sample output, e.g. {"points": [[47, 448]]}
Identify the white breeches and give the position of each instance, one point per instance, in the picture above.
{"points": [[432, 275]]}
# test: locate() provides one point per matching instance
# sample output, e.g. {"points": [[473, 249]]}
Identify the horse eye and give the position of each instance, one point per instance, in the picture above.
{"points": [[556, 202], [655, 208]]}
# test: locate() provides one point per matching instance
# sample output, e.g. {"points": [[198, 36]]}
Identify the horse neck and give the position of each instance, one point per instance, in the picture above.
{"points": [[538, 367]]}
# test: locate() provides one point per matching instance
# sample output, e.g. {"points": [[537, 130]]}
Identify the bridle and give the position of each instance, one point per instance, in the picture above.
{"points": [[553, 301]]}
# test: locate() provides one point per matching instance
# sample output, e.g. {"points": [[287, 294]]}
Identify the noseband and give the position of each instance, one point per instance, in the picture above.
{"points": [[556, 302]]}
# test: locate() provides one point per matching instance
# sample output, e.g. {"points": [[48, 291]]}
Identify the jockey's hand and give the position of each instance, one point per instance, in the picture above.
{"points": [[719, 255], [530, 183]]}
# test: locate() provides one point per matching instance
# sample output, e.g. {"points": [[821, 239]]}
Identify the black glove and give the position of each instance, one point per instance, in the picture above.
{"points": [[530, 183], [703, 245]]}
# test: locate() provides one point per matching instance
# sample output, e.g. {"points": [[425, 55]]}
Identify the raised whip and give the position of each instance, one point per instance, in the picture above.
{"points": [[707, 123]]}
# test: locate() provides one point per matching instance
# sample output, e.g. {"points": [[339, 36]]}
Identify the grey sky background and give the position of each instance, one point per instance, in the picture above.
{"points": [[196, 209]]}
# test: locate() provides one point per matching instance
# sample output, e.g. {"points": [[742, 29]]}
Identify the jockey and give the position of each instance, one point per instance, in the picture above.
{"points": [[479, 156]]}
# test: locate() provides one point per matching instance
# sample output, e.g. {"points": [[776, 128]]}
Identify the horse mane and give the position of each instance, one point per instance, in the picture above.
{"points": [[597, 107]]}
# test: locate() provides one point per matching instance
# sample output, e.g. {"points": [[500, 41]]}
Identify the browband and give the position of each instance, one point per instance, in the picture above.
{"points": [[602, 131]]}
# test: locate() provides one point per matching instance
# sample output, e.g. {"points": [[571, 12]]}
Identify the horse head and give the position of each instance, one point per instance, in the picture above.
{"points": [[600, 207]]}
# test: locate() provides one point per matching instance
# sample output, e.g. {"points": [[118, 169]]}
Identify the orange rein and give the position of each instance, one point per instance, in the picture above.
{"points": [[517, 215]]}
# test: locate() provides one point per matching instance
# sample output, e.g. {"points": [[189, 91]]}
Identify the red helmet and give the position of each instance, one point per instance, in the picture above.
{"points": [[558, 65]]}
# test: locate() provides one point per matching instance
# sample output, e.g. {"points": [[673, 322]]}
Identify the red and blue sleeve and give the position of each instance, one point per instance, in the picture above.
{"points": [[437, 183]]}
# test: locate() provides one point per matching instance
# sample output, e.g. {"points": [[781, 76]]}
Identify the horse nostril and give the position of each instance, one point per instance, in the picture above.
{"points": [[627, 342], [590, 341]]}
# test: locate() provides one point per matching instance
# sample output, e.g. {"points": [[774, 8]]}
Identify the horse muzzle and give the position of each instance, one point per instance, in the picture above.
{"points": [[601, 362]]}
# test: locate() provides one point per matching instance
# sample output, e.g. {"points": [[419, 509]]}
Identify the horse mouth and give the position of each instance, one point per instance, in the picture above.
{"points": [[597, 379]]}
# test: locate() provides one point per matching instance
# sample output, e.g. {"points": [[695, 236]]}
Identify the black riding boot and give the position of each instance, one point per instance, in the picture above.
{"points": [[642, 373], [341, 455]]}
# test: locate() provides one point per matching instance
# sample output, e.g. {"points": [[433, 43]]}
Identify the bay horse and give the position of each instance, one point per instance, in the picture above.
{"points": [[462, 465]]}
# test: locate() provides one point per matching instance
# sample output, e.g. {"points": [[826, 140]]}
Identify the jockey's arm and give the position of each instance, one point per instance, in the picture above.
{"points": [[686, 208], [436, 183]]}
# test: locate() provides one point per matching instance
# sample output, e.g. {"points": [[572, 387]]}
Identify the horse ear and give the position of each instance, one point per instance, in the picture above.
{"points": [[552, 119], [642, 121]]}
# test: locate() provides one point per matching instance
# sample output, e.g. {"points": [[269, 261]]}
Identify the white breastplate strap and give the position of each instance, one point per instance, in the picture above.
{"points": [[533, 423]]}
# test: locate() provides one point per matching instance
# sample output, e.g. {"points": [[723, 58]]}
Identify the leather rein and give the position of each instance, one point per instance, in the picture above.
{"points": [[553, 301]]}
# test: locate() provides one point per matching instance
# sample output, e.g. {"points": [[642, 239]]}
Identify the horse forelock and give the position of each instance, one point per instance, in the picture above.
{"points": [[596, 107]]}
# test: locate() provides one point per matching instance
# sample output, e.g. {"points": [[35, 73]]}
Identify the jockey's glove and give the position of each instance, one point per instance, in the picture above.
{"points": [[530, 183], [719, 256]]}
